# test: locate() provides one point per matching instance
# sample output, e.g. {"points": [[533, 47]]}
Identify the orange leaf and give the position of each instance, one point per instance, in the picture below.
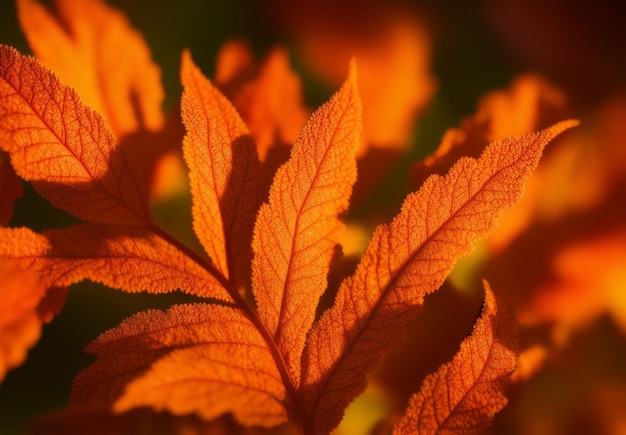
{"points": [[64, 148], [586, 279], [297, 231], [234, 60], [463, 395], [406, 260], [394, 54], [198, 358], [269, 96], [92, 47], [224, 173], [127, 258], [529, 104], [25, 304]]}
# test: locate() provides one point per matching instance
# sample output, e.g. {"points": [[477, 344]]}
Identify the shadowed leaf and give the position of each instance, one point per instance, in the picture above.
{"points": [[463, 395], [64, 148], [200, 358], [223, 171]]}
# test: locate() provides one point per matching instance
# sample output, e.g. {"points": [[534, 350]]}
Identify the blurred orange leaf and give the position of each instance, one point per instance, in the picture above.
{"points": [[128, 258], [20, 326], [588, 279], [394, 53], [268, 96], [92, 47], [529, 104], [24, 307]]}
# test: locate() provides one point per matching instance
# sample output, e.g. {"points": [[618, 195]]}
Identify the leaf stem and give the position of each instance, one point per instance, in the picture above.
{"points": [[249, 312]]}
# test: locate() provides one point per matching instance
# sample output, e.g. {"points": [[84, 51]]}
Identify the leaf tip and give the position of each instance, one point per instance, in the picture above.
{"points": [[562, 126], [490, 299], [352, 70], [186, 61]]}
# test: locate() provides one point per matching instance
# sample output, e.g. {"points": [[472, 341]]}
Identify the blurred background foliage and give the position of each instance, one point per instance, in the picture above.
{"points": [[471, 56]]}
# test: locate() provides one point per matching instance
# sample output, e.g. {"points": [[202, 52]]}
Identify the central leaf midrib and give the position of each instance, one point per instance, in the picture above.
{"points": [[290, 264]]}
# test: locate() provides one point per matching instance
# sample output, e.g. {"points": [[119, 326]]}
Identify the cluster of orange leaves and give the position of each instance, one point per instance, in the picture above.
{"points": [[270, 183]]}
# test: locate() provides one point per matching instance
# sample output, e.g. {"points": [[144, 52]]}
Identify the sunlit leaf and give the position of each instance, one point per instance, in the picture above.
{"points": [[296, 232]]}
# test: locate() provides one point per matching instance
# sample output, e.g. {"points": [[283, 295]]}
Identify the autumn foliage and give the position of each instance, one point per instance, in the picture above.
{"points": [[291, 310]]}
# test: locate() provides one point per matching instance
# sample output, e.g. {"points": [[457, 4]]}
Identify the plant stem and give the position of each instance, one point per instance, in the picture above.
{"points": [[250, 313]]}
